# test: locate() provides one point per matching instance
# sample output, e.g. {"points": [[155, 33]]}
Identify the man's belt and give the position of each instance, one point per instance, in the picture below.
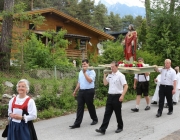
{"points": [[166, 85], [86, 89]]}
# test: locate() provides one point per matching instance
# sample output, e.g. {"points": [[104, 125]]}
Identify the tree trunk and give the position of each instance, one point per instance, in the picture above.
{"points": [[32, 3], [172, 5], [6, 37], [148, 12]]}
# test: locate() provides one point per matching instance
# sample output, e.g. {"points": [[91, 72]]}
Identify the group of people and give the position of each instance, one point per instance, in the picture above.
{"points": [[116, 92], [22, 109], [175, 96], [117, 89], [167, 89]]}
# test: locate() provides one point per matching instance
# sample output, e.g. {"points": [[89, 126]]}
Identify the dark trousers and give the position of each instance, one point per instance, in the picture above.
{"points": [[85, 96], [165, 91], [112, 104]]}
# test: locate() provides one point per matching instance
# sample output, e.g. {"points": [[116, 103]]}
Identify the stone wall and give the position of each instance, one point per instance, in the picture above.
{"points": [[48, 74]]}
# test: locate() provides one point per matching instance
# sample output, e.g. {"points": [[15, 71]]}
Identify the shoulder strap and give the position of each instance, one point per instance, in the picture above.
{"points": [[145, 76], [14, 100]]}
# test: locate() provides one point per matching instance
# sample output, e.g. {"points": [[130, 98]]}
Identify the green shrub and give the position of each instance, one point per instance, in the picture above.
{"points": [[3, 110]]}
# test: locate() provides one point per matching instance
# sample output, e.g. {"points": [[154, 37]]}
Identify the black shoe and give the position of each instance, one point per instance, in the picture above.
{"points": [[100, 131], [94, 122], [135, 110], [147, 108], [74, 126], [169, 113], [118, 130], [158, 115], [154, 103], [174, 103]]}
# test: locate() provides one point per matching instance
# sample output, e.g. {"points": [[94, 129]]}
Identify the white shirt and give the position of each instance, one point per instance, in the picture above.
{"points": [[31, 109], [178, 81], [141, 78], [158, 78], [116, 82], [168, 76]]}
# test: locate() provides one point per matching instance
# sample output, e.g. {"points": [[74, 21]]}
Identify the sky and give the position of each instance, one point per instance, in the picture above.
{"points": [[127, 2]]}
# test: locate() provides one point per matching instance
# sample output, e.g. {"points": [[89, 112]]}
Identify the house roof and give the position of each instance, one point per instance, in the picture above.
{"points": [[66, 35], [61, 14]]}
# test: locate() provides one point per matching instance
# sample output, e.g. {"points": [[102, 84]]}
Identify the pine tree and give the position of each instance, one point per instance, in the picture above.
{"points": [[6, 35], [100, 12]]}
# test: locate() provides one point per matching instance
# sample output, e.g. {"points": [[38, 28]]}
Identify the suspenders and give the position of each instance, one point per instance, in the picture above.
{"points": [[142, 74]]}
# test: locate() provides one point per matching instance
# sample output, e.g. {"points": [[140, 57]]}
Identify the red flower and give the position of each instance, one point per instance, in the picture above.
{"points": [[139, 65], [126, 65], [130, 65], [120, 62]]}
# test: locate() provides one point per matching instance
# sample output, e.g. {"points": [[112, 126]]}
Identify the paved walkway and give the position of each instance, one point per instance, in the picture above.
{"points": [[142, 125]]}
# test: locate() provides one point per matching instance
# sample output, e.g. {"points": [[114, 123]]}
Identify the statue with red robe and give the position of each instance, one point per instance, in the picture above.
{"points": [[130, 44]]}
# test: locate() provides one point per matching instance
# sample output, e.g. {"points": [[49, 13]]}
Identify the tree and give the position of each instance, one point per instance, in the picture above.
{"points": [[1, 5], [71, 8], [86, 10], [115, 22], [148, 12], [6, 35], [20, 36], [39, 55], [100, 12], [142, 33], [163, 35], [172, 6], [128, 19], [138, 21]]}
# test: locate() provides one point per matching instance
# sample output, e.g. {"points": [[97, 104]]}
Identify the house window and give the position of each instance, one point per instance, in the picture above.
{"points": [[31, 26], [58, 28]]}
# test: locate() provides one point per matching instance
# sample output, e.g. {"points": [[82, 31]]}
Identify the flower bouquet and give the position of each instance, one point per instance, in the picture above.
{"points": [[125, 63]]}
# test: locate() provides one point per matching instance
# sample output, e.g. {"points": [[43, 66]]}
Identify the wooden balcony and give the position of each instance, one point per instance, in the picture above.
{"points": [[74, 53]]}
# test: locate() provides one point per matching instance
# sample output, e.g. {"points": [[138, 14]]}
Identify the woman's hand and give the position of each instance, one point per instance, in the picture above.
{"points": [[16, 116]]}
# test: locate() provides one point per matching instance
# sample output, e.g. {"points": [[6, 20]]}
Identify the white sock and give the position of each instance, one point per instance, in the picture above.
{"points": [[137, 106]]}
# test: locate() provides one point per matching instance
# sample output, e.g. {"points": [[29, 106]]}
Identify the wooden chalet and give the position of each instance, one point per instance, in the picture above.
{"points": [[78, 34]]}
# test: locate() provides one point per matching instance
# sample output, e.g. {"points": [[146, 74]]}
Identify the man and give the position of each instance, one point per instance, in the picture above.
{"points": [[167, 87], [176, 95], [142, 82], [117, 89], [86, 93]]}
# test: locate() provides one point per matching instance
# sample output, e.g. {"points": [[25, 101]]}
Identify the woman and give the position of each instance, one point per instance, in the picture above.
{"points": [[22, 110]]}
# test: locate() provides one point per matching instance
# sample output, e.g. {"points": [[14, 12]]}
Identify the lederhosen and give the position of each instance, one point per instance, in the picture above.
{"points": [[142, 87], [24, 107]]}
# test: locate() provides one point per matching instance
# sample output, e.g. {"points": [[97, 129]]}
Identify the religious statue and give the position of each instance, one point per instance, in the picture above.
{"points": [[130, 44]]}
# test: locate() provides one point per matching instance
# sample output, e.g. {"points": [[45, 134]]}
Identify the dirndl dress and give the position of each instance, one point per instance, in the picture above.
{"points": [[22, 130]]}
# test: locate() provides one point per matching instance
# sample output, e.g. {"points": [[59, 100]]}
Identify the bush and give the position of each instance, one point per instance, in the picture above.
{"points": [[49, 113], [3, 110]]}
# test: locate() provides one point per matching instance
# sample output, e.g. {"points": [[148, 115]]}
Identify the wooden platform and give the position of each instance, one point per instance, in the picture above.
{"points": [[130, 70]]}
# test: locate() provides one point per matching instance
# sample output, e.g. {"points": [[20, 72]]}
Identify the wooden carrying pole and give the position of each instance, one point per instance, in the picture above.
{"points": [[130, 70]]}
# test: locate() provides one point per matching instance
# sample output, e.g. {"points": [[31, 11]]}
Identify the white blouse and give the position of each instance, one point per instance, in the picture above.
{"points": [[31, 109]]}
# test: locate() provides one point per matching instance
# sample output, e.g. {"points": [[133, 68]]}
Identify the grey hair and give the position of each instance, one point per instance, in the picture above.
{"points": [[168, 60], [26, 83]]}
